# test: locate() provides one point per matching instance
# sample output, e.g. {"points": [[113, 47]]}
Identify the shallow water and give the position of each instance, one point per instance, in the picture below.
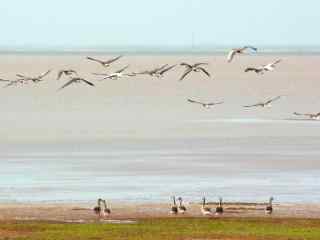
{"points": [[239, 169]]}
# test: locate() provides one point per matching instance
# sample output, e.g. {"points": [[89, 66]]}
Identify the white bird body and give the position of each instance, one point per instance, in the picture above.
{"points": [[206, 211], [236, 51]]}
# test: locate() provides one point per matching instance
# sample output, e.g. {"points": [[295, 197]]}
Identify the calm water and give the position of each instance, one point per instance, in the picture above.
{"points": [[239, 169]]}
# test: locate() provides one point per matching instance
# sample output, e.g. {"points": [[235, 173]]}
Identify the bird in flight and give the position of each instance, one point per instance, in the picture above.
{"points": [[159, 71], [205, 105], [313, 116], [235, 51], [264, 104], [67, 72], [116, 75], [194, 68], [104, 63], [264, 68], [33, 79], [76, 80]]}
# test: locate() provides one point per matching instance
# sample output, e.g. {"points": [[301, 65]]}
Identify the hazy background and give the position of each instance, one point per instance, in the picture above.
{"points": [[148, 23]]}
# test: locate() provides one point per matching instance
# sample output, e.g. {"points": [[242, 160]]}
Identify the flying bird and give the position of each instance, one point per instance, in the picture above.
{"points": [[313, 116], [271, 66], [156, 71], [104, 63], [116, 75], [205, 105], [258, 70], [33, 79], [264, 104], [235, 51], [76, 80], [264, 68], [67, 72], [193, 68]]}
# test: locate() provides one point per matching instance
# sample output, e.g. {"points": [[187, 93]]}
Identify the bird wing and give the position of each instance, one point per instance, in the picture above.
{"points": [[251, 69], [250, 47], [215, 103], [4, 80], [122, 69], [44, 74], [185, 74], [273, 99], [303, 114], [205, 71], [22, 76], [275, 62], [158, 69], [167, 69], [199, 64], [113, 60], [186, 65], [254, 105], [231, 55], [87, 82], [60, 73], [95, 60], [193, 101], [66, 84]]}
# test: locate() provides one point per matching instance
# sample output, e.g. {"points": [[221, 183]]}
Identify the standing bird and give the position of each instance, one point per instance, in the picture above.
{"points": [[174, 208], [33, 79], [98, 209], [264, 104], [116, 75], [313, 116], [194, 68], [76, 80], [104, 63], [219, 208], [235, 51], [205, 105], [206, 211], [106, 210], [269, 208], [181, 209], [67, 72]]}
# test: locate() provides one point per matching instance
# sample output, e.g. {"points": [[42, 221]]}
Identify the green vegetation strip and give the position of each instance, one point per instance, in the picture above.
{"points": [[176, 229]]}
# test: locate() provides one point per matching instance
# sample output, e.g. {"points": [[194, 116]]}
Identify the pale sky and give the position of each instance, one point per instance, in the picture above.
{"points": [[70, 23]]}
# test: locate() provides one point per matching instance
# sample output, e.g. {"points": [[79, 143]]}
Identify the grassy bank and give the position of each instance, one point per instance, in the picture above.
{"points": [[153, 229]]}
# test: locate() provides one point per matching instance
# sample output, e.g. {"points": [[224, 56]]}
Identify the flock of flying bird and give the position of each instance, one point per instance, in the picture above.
{"points": [[158, 72], [102, 210]]}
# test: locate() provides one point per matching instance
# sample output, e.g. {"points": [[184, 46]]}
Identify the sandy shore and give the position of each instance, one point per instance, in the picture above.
{"points": [[84, 213]]}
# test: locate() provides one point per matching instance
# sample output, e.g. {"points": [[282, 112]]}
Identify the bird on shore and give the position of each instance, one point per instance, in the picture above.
{"points": [[104, 63], [98, 209], [264, 68], [174, 208], [76, 80], [313, 116], [206, 211], [219, 208], [269, 208], [116, 75], [236, 51], [106, 210], [205, 105], [181, 209], [66, 72], [197, 67], [33, 79], [264, 104]]}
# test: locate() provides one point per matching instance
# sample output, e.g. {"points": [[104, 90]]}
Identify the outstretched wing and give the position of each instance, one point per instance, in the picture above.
{"points": [[205, 71], [303, 114], [4, 80], [167, 69], [254, 105], [22, 76], [186, 65], [251, 69], [231, 55], [273, 99], [215, 103], [67, 84], [113, 60], [95, 60], [193, 101], [122, 69], [250, 47], [158, 69], [87, 82], [44, 74], [60, 73], [199, 64], [275, 62], [185, 74]]}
